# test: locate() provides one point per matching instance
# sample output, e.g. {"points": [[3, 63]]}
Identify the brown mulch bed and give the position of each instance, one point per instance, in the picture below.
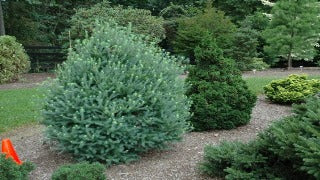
{"points": [[27, 81], [178, 162]]}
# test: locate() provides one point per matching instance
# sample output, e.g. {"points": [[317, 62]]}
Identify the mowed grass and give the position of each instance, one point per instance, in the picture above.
{"points": [[256, 84], [19, 107]]}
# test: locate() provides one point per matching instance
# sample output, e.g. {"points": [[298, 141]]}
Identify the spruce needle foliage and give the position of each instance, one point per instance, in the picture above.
{"points": [[116, 97], [289, 149], [221, 99]]}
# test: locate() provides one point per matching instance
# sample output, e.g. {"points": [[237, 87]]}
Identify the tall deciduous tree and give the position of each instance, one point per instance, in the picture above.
{"points": [[294, 30]]}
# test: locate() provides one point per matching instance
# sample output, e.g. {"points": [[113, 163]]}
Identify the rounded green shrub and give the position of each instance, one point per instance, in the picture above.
{"points": [[13, 59], [142, 21], [289, 149], [221, 98], [116, 97], [293, 89], [80, 171], [10, 170]]}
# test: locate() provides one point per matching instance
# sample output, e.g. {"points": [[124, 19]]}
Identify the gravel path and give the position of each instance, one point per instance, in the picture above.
{"points": [[282, 72], [178, 162], [27, 81]]}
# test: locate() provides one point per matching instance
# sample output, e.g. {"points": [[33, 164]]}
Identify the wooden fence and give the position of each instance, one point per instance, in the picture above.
{"points": [[45, 58]]}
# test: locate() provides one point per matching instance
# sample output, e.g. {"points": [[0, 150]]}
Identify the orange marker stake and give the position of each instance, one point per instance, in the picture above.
{"points": [[8, 149]]}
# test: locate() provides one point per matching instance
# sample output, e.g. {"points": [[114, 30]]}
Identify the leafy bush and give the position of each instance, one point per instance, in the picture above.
{"points": [[13, 59], [221, 99], [116, 97], [142, 21], [293, 89], [289, 149], [254, 63], [9, 170], [191, 31], [80, 171]]}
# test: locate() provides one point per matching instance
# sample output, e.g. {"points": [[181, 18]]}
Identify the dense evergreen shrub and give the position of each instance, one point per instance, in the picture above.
{"points": [[13, 59], [80, 171], [141, 20], [293, 89], [221, 99], [289, 149], [10, 170], [191, 31], [116, 97]]}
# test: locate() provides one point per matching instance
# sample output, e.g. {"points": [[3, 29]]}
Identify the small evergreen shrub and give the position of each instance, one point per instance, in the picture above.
{"points": [[80, 171], [221, 98], [142, 22], [13, 59], [289, 149], [115, 98], [293, 89], [9, 170]]}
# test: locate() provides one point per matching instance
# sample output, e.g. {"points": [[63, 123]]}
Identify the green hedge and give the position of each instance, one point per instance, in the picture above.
{"points": [[13, 59], [10, 170]]}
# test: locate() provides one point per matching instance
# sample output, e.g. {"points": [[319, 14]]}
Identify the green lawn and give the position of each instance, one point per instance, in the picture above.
{"points": [[256, 84], [19, 107]]}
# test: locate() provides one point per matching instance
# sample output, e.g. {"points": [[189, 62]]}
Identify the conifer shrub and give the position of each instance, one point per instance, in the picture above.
{"points": [[289, 149], [115, 98], [10, 170], [80, 171], [13, 59], [221, 98], [293, 89]]}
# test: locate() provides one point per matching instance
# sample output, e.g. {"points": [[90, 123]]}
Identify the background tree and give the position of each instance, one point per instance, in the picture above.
{"points": [[294, 30], [191, 31]]}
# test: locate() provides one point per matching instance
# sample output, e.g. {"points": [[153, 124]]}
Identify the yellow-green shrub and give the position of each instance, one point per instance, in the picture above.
{"points": [[293, 89], [13, 59]]}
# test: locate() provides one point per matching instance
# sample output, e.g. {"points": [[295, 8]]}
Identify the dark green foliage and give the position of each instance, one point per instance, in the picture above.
{"points": [[116, 97], [221, 99], [293, 89], [80, 171], [83, 22], [289, 149], [238, 10], [13, 59], [192, 30], [9, 170], [153, 5]]}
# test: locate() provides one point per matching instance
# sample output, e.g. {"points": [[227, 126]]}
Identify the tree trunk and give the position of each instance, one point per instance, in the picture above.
{"points": [[2, 30], [289, 61]]}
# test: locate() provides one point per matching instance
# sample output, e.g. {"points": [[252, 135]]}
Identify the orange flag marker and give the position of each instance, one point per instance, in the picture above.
{"points": [[8, 149]]}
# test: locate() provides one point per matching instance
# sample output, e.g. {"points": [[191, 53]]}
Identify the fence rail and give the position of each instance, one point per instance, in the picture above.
{"points": [[45, 58]]}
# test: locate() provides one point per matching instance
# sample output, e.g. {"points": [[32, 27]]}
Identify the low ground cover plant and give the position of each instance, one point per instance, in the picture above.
{"points": [[289, 149], [116, 97], [13, 59], [10, 170], [221, 98], [293, 89], [80, 171]]}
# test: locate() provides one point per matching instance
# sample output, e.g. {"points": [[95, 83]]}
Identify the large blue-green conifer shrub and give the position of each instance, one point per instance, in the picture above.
{"points": [[116, 97]]}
